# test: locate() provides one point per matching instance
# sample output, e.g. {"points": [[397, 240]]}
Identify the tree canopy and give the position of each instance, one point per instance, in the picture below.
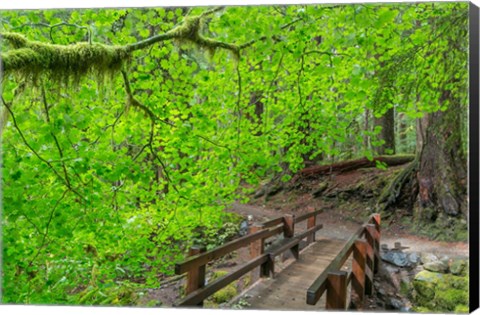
{"points": [[127, 132]]}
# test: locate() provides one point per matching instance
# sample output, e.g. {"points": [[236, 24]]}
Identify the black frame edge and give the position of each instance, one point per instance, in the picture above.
{"points": [[474, 33]]}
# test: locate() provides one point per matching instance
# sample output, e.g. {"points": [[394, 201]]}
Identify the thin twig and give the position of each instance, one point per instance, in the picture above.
{"points": [[47, 226]]}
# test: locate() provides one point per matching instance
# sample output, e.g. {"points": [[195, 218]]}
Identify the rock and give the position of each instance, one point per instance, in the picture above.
{"points": [[436, 266], [413, 258], [394, 304], [439, 292], [458, 267], [425, 283], [426, 258], [320, 189], [396, 258], [405, 309], [243, 228], [381, 292]]}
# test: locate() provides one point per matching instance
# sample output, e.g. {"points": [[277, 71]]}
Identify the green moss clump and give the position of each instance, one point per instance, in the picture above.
{"points": [[223, 295], [449, 299], [226, 294], [31, 59], [439, 292], [462, 309]]}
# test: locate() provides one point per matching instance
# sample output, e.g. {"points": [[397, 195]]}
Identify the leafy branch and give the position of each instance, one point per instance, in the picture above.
{"points": [[25, 142]]}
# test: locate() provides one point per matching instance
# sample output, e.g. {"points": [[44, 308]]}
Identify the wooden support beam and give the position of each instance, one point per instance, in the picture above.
{"points": [[376, 221], [358, 272], [256, 249], [370, 257], [196, 276], [311, 222], [337, 290], [289, 225], [201, 294]]}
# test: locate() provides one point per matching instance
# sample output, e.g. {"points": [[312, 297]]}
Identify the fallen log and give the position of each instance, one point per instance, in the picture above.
{"points": [[346, 166]]}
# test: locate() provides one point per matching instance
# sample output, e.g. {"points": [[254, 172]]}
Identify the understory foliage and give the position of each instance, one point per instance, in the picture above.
{"points": [[126, 133]]}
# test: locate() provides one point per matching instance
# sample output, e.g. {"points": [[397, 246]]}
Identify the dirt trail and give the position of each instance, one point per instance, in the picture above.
{"points": [[340, 225]]}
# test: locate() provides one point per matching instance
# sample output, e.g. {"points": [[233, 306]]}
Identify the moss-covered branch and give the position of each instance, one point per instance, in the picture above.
{"points": [[29, 59], [188, 31]]}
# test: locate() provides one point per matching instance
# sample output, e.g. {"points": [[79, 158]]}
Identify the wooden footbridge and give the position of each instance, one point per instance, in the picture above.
{"points": [[343, 269]]}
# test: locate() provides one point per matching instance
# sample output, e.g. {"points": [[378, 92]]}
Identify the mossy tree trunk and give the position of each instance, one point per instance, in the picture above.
{"points": [[442, 169]]}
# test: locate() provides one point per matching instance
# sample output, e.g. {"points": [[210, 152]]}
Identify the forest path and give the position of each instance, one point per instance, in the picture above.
{"points": [[338, 224]]}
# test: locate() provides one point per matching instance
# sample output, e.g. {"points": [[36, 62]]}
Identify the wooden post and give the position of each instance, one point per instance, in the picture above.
{"points": [[337, 290], [288, 230], [196, 277], [370, 231], [256, 249], [358, 271], [288, 225], [377, 220], [312, 221]]}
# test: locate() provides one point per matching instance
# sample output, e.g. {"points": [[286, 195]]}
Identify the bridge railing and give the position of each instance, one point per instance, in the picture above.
{"points": [[364, 247], [262, 257]]}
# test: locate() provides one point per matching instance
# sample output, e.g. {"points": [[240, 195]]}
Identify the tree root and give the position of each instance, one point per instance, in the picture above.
{"points": [[393, 191]]}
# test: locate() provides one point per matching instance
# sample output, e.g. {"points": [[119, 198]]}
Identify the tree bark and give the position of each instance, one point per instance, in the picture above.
{"points": [[434, 186], [442, 173], [347, 166], [387, 122]]}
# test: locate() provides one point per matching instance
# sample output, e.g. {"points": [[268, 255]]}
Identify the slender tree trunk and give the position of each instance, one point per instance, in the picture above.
{"points": [[366, 138], [387, 122], [256, 101], [402, 134]]}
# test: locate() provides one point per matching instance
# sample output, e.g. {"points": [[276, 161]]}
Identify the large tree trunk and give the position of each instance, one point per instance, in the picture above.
{"points": [[434, 186], [442, 172]]}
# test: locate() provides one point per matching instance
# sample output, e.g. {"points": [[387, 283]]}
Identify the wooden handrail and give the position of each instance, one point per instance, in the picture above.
{"points": [[309, 231], [199, 295], [273, 232], [261, 257], [307, 215], [218, 252], [316, 290], [272, 222], [318, 287]]}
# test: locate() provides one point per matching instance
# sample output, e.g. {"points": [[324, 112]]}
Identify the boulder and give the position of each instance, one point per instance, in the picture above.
{"points": [[399, 258], [426, 258], [425, 283], [437, 266], [439, 292], [394, 304], [458, 267], [413, 258]]}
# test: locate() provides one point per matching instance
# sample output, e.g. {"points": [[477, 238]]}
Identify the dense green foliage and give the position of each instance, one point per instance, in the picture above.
{"points": [[108, 179]]}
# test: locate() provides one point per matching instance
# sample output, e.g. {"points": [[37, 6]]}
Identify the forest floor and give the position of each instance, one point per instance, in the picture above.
{"points": [[346, 200]]}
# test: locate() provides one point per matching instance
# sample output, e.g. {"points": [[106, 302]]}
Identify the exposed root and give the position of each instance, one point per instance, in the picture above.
{"points": [[393, 191]]}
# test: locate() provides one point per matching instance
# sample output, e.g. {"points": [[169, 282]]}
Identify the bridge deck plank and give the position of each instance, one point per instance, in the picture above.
{"points": [[287, 291]]}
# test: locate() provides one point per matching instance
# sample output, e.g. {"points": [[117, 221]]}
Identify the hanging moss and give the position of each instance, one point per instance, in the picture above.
{"points": [[68, 64], [65, 64]]}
